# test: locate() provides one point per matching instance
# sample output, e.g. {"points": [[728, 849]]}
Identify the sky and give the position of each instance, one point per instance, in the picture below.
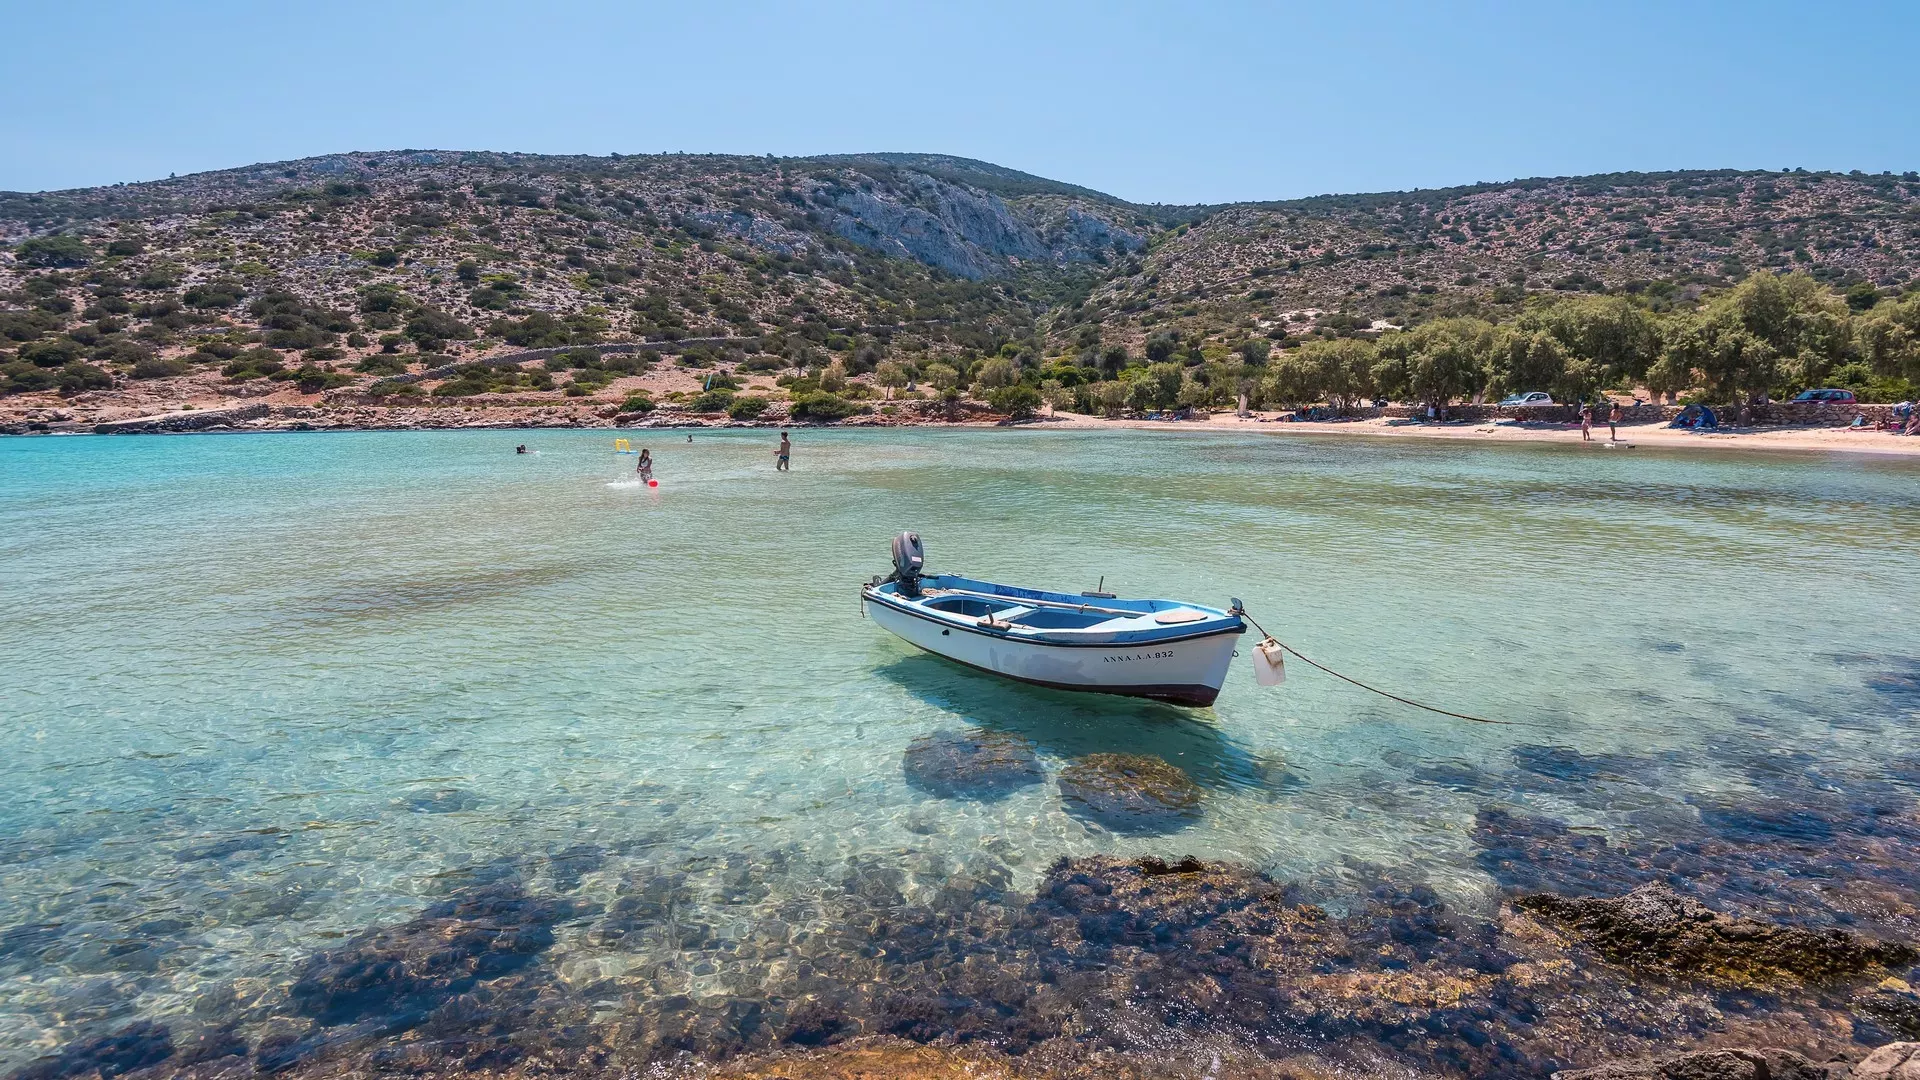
{"points": [[1174, 103]]}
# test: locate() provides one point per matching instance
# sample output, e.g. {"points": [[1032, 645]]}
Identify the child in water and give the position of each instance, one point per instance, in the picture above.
{"points": [[784, 454], [645, 468]]}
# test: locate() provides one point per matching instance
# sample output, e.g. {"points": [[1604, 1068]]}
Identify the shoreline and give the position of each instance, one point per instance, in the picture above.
{"points": [[263, 418]]}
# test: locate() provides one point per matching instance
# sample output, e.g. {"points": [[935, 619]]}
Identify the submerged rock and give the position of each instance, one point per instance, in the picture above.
{"points": [[970, 764], [1892, 1004], [400, 974], [1655, 926], [1765, 1064], [137, 1046], [1130, 793]]}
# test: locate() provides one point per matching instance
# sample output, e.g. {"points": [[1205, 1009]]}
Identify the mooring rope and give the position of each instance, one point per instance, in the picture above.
{"points": [[1373, 689]]}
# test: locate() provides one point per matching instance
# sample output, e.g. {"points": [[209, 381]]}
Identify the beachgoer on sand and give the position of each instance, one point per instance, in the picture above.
{"points": [[1613, 423], [1586, 421], [781, 456]]}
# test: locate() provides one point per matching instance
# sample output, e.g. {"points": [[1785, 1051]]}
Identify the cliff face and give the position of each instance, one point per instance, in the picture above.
{"points": [[972, 233]]}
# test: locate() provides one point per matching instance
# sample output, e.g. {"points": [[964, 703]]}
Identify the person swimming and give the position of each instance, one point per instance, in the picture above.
{"points": [[521, 449], [782, 456], [645, 468]]}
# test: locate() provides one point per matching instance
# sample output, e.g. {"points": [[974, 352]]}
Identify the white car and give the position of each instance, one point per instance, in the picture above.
{"points": [[1525, 401]]}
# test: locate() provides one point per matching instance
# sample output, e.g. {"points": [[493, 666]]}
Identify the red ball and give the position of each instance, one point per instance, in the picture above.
{"points": [[653, 483]]}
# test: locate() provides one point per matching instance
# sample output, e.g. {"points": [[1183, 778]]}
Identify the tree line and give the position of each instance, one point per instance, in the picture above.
{"points": [[1768, 337]]}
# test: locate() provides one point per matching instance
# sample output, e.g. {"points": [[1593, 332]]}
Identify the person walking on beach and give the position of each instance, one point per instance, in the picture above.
{"points": [[645, 468], [1613, 423], [1586, 421], [781, 456]]}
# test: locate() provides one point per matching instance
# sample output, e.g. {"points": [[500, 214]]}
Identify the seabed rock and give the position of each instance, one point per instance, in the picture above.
{"points": [[1765, 1064], [1892, 1004], [1130, 793], [971, 764], [1655, 926]]}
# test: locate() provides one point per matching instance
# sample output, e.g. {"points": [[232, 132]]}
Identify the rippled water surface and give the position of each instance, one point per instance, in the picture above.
{"points": [[261, 692]]}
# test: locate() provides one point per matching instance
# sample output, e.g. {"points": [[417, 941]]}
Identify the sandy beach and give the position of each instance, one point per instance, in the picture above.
{"points": [[1847, 440]]}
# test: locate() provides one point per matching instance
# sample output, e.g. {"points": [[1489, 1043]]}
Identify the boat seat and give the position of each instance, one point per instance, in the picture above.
{"points": [[1179, 615]]}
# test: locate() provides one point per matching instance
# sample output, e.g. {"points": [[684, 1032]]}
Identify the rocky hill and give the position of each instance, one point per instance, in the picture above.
{"points": [[1405, 257], [368, 272]]}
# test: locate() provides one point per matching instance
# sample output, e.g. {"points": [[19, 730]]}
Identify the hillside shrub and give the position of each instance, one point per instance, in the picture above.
{"points": [[214, 294], [154, 367], [26, 378], [389, 388], [312, 380], [78, 378], [823, 406], [381, 365], [51, 353], [53, 251], [253, 364], [747, 407], [637, 402], [711, 401]]}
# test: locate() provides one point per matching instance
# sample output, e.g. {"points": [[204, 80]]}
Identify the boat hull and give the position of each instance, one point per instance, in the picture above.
{"points": [[1188, 671]]}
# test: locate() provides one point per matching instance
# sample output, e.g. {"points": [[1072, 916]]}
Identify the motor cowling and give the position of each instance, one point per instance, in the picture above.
{"points": [[909, 559]]}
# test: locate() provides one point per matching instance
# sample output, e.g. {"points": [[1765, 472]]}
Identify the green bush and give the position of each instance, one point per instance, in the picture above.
{"points": [[52, 353], [382, 365], [214, 294], [747, 407], [312, 380], [712, 401], [762, 363], [158, 277], [821, 405], [155, 368], [430, 326], [26, 378], [253, 364], [26, 325], [386, 388], [53, 251], [125, 247], [1019, 401], [78, 378], [638, 402]]}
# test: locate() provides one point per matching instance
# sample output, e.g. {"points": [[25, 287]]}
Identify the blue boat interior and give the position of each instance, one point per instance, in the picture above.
{"points": [[1020, 612]]}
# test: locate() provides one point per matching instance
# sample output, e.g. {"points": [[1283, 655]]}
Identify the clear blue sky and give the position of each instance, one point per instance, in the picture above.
{"points": [[1156, 103]]}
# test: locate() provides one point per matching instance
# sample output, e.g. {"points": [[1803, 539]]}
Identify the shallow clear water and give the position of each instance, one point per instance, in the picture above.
{"points": [[263, 691]]}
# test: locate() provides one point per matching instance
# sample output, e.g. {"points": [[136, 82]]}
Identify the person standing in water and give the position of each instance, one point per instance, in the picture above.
{"points": [[781, 456], [645, 468]]}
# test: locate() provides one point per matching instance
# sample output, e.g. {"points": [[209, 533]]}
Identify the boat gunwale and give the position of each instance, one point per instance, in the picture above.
{"points": [[1158, 635]]}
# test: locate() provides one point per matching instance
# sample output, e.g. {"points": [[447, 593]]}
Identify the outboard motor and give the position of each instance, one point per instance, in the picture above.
{"points": [[909, 558]]}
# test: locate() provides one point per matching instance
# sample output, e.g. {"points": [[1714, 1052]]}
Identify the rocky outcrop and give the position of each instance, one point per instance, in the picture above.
{"points": [[1765, 1064], [968, 232], [1894, 1061], [191, 420], [1653, 926]]}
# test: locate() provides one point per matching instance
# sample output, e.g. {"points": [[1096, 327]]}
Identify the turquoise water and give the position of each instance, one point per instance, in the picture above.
{"points": [[264, 691]]}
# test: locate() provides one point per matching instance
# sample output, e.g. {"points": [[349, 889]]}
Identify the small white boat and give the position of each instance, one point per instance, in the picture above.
{"points": [[1166, 650]]}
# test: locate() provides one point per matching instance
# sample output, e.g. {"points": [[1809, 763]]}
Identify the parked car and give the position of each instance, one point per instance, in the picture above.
{"points": [[1526, 401], [1830, 397]]}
